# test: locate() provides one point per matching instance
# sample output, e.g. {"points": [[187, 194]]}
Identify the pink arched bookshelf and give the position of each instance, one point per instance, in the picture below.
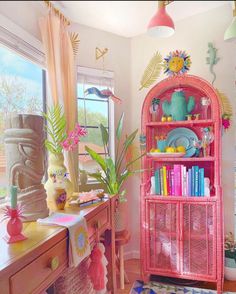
{"points": [[182, 235]]}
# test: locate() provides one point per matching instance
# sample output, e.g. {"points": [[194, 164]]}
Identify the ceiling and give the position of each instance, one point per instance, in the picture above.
{"points": [[128, 18]]}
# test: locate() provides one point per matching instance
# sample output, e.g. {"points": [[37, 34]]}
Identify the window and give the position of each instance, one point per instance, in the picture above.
{"points": [[92, 111], [21, 91]]}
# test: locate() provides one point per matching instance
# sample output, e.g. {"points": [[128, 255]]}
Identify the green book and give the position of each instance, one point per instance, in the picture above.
{"points": [[157, 182]]}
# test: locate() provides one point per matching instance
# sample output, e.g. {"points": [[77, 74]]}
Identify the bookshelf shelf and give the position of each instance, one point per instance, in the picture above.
{"points": [[183, 231], [181, 159], [208, 122], [153, 197]]}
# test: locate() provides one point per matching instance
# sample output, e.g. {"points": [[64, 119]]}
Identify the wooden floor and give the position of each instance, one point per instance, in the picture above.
{"points": [[132, 268]]}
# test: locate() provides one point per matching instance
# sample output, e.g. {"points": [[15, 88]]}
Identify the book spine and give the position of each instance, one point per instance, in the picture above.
{"points": [[192, 181], [164, 180], [184, 176], [152, 185], [187, 193], [201, 181], [182, 179], [168, 180], [196, 185], [172, 182], [177, 180], [157, 182], [161, 181]]}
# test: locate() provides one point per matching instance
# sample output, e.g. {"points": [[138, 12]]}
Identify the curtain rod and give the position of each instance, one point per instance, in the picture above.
{"points": [[57, 12]]}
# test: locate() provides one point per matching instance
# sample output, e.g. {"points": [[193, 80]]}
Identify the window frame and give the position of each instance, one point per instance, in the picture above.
{"points": [[23, 44], [95, 76]]}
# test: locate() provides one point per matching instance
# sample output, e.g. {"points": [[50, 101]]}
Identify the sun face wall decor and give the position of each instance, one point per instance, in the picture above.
{"points": [[176, 63]]}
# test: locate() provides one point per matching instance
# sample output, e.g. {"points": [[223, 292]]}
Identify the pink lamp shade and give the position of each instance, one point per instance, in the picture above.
{"points": [[161, 24]]}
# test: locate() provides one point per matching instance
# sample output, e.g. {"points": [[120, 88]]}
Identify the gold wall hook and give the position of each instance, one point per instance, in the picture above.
{"points": [[100, 52]]}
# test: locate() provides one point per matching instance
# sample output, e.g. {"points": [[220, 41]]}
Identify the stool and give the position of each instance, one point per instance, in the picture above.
{"points": [[122, 238]]}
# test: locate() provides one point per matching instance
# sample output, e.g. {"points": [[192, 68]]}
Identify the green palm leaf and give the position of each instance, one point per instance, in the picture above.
{"points": [[56, 128], [95, 156], [119, 127], [152, 71]]}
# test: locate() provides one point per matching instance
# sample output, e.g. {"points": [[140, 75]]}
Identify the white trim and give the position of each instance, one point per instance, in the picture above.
{"points": [[17, 39], [93, 72], [112, 129], [86, 75]]}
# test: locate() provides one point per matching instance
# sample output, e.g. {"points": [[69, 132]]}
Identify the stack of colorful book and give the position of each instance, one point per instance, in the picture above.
{"points": [[178, 180]]}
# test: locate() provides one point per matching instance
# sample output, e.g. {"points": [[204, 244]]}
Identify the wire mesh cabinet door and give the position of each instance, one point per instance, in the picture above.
{"points": [[162, 236], [198, 240]]}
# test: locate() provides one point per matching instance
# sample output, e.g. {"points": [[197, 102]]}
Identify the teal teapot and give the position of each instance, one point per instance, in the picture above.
{"points": [[178, 107]]}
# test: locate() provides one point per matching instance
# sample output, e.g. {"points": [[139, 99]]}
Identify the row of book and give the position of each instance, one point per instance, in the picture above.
{"points": [[177, 180]]}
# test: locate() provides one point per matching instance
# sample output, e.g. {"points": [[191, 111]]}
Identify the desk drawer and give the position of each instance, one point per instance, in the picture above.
{"points": [[101, 221], [45, 267]]}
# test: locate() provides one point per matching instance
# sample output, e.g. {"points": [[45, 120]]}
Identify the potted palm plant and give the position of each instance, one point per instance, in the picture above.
{"points": [[58, 141], [114, 173]]}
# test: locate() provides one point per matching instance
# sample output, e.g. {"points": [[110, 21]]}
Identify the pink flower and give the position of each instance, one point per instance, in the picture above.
{"points": [[72, 140], [226, 123]]}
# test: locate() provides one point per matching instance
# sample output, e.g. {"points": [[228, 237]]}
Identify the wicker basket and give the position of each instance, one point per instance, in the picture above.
{"points": [[120, 217]]}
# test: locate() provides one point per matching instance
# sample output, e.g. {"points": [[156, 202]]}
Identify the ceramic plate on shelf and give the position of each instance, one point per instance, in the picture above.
{"points": [[166, 154], [182, 137]]}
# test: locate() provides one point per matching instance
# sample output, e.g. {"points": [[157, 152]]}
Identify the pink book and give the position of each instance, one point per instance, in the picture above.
{"points": [[187, 188], [172, 182], [177, 181], [168, 180]]}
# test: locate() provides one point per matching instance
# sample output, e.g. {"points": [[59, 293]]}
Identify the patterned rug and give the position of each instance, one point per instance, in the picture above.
{"points": [[160, 288]]}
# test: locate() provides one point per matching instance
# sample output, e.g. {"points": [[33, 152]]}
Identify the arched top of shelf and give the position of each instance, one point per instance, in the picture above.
{"points": [[191, 85]]}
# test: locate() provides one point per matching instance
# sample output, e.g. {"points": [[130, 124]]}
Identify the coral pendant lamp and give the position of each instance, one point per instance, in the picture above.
{"points": [[161, 25]]}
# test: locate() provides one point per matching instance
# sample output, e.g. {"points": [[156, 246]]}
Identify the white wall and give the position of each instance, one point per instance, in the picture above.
{"points": [[192, 35], [117, 59]]}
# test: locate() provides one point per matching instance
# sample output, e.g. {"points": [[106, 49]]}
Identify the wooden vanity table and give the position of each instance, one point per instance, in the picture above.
{"points": [[28, 267]]}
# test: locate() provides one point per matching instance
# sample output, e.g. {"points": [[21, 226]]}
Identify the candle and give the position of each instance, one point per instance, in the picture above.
{"points": [[13, 192]]}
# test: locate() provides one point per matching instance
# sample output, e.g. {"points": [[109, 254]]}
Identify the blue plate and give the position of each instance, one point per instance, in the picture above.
{"points": [[182, 137]]}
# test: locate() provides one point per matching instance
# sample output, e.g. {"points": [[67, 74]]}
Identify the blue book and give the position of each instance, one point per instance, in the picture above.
{"points": [[190, 182], [196, 185], [201, 181], [157, 182]]}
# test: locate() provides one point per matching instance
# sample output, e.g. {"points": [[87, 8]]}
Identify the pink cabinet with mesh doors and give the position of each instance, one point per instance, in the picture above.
{"points": [[181, 196]]}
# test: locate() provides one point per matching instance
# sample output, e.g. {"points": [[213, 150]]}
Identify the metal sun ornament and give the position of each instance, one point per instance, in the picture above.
{"points": [[177, 63]]}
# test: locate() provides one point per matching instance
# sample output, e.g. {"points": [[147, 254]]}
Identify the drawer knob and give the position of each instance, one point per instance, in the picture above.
{"points": [[54, 263]]}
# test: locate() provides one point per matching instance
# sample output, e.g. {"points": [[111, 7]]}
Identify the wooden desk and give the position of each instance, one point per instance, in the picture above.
{"points": [[25, 267]]}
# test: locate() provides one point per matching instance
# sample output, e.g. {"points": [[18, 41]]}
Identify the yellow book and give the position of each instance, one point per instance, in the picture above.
{"points": [[164, 181]]}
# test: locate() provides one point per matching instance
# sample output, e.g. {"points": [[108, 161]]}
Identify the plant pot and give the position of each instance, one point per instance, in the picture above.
{"points": [[230, 269], [230, 273]]}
